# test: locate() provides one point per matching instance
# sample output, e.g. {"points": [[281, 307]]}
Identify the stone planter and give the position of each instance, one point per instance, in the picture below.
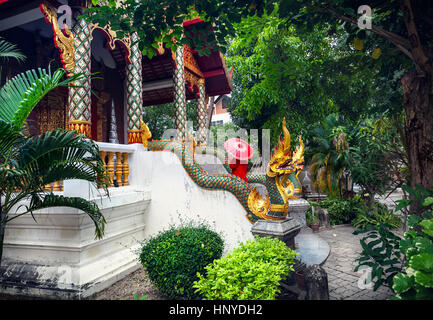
{"points": [[315, 227]]}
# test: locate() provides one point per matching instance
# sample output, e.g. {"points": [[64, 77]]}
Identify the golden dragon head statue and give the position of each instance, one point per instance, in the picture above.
{"points": [[145, 133], [282, 161]]}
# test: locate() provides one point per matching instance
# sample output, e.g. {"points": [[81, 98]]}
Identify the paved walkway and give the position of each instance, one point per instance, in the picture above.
{"points": [[342, 280]]}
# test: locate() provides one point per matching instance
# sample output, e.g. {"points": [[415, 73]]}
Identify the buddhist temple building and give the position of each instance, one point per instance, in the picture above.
{"points": [[57, 256], [123, 82]]}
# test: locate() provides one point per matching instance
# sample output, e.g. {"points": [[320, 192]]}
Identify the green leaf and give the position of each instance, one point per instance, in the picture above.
{"points": [[410, 234], [402, 283], [422, 261], [424, 279], [427, 215], [21, 94], [423, 244], [9, 50], [403, 203], [428, 226], [405, 244], [413, 220], [428, 201], [412, 192]]}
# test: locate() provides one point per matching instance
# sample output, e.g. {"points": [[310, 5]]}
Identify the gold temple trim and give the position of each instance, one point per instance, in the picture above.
{"points": [[63, 41], [112, 38], [190, 62]]}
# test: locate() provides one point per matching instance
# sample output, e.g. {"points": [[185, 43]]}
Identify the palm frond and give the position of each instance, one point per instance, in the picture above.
{"points": [[9, 50], [61, 155], [21, 94], [9, 137], [39, 201]]}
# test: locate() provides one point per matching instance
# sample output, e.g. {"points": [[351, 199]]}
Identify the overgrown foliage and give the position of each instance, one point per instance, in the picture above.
{"points": [[164, 19], [341, 210], [252, 271], [378, 159], [416, 280], [380, 253], [405, 264], [377, 217], [173, 258], [370, 153]]}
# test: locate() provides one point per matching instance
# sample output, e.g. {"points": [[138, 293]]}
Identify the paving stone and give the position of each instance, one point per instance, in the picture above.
{"points": [[340, 265]]}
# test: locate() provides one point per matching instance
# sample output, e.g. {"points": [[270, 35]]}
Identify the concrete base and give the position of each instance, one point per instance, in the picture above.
{"points": [[284, 230], [58, 257], [297, 208]]}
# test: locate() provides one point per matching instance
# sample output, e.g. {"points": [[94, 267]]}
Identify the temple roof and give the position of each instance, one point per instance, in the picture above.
{"points": [[158, 72]]}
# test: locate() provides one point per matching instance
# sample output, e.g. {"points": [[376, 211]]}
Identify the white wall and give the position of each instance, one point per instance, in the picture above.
{"points": [[225, 117], [176, 197]]}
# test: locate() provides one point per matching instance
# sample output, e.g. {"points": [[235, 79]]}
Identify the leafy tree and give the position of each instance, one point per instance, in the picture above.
{"points": [[163, 21], [28, 164], [161, 117], [377, 160], [403, 32], [281, 70], [273, 76]]}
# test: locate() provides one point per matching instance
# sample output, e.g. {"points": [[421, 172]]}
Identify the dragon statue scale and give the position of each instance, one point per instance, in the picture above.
{"points": [[281, 179]]}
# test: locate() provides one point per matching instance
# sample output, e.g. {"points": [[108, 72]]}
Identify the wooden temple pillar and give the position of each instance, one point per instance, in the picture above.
{"points": [[179, 95], [134, 91], [80, 97], [201, 114]]}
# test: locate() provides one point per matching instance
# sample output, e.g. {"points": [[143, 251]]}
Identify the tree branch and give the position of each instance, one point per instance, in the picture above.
{"points": [[401, 43]]}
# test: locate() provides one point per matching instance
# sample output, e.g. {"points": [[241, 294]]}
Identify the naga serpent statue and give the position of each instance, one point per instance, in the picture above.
{"points": [[281, 179]]}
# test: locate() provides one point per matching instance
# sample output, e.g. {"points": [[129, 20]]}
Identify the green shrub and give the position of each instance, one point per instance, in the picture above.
{"points": [[173, 258], [341, 210], [364, 220], [252, 271], [415, 282], [405, 264]]}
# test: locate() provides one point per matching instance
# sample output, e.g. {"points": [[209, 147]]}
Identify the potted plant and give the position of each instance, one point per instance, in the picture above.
{"points": [[313, 220], [315, 224]]}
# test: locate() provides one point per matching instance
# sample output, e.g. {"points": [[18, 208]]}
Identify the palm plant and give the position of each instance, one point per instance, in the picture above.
{"points": [[327, 155], [9, 50], [28, 164]]}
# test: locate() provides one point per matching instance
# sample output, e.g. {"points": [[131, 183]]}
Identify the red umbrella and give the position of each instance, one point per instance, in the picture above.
{"points": [[238, 149]]}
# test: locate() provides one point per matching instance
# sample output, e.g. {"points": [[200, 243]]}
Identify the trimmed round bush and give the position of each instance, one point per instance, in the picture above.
{"points": [[253, 271], [175, 256]]}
